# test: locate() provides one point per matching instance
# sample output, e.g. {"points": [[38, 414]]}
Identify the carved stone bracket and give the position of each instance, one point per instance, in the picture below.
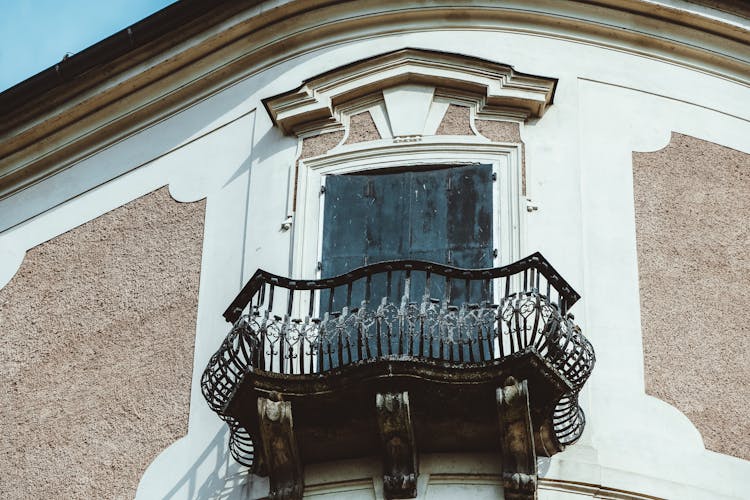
{"points": [[400, 466], [517, 441], [280, 454]]}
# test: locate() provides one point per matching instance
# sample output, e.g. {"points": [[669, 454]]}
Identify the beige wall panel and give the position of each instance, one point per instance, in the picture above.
{"points": [[320, 144], [500, 131], [362, 128], [457, 121], [96, 351], [315, 146], [692, 202]]}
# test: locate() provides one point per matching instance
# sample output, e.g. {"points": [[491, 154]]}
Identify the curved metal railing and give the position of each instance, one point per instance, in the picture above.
{"points": [[401, 309]]}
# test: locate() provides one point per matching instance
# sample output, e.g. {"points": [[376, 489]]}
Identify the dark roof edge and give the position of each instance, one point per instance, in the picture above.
{"points": [[170, 19], [155, 26], [739, 8]]}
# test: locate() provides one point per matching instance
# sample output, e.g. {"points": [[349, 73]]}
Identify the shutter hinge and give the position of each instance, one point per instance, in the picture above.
{"points": [[494, 252], [319, 266], [322, 190], [494, 176], [287, 224]]}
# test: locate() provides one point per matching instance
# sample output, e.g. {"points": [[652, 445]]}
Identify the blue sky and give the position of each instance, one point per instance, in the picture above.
{"points": [[36, 34]]}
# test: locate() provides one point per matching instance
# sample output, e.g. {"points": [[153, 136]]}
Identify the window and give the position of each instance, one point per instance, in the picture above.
{"points": [[441, 215], [487, 174]]}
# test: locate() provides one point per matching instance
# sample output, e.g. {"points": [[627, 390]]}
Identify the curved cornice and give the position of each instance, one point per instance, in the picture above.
{"points": [[495, 87], [117, 98]]}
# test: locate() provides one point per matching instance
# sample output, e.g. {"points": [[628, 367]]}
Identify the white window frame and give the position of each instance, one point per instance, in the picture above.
{"points": [[507, 201]]}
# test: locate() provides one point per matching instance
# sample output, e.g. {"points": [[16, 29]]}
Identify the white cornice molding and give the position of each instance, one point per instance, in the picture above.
{"points": [[497, 89], [134, 95]]}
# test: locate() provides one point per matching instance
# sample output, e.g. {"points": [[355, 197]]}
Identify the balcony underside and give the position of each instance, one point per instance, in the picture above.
{"points": [[398, 407], [453, 406]]}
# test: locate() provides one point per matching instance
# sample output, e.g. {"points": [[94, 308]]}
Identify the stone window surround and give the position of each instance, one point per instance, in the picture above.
{"points": [[381, 154], [407, 93]]}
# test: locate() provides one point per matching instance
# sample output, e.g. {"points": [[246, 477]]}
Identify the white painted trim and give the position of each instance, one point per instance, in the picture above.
{"points": [[320, 486], [380, 117], [435, 117], [399, 78], [408, 106], [375, 105]]}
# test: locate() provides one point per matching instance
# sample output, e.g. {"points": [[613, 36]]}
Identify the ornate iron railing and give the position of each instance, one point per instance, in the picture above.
{"points": [[401, 310]]}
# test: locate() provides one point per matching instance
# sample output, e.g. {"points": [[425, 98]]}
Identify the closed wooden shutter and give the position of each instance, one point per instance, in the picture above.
{"points": [[442, 215]]}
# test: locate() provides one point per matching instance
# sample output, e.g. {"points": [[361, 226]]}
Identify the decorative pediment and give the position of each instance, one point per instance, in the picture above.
{"points": [[406, 90]]}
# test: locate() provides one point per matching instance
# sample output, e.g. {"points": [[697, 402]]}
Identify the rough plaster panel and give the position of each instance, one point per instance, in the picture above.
{"points": [[96, 351], [320, 144], [315, 146], [692, 202], [500, 131], [456, 121], [362, 128]]}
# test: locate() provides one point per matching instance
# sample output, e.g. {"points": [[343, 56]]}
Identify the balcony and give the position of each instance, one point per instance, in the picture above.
{"points": [[400, 358]]}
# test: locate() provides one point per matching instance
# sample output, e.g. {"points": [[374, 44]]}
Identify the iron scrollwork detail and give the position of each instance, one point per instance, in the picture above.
{"points": [[429, 312]]}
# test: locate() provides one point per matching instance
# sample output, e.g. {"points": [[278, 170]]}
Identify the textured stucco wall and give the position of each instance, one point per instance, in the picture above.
{"points": [[315, 146], [500, 131], [96, 351], [320, 144], [692, 202], [362, 128], [456, 121]]}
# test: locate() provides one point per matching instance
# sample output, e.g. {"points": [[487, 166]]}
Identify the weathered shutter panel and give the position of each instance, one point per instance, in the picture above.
{"points": [[442, 215], [469, 226], [363, 221]]}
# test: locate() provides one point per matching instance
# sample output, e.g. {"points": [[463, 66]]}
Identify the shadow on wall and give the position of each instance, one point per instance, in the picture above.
{"points": [[215, 475], [271, 143]]}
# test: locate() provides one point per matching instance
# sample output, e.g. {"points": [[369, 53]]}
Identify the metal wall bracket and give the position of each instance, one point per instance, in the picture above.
{"points": [[400, 466], [279, 449], [517, 441]]}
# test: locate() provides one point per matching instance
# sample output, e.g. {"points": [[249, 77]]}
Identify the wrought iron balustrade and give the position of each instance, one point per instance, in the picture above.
{"points": [[401, 310]]}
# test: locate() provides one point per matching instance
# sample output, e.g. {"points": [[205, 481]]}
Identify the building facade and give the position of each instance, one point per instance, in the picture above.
{"points": [[146, 179]]}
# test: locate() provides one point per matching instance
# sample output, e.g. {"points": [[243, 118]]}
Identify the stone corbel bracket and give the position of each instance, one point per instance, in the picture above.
{"points": [[517, 441], [399, 448], [497, 90], [280, 454]]}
